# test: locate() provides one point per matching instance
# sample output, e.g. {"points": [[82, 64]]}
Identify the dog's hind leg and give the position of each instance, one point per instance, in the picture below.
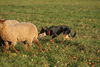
{"points": [[66, 37], [52, 39]]}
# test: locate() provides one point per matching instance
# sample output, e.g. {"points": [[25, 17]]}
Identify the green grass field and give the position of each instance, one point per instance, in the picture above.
{"points": [[83, 16]]}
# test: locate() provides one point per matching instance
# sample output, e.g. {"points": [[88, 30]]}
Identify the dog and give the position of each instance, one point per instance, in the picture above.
{"points": [[55, 31]]}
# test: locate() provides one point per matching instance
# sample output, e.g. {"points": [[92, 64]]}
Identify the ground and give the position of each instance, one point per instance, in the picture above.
{"points": [[81, 15]]}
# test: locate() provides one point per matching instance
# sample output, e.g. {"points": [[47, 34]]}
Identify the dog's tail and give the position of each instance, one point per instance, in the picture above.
{"points": [[72, 34]]}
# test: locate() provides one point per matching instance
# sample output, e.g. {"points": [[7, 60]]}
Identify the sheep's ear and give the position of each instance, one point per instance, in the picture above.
{"points": [[2, 20]]}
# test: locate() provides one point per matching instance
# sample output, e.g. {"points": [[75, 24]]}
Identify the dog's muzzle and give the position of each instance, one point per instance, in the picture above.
{"points": [[42, 35]]}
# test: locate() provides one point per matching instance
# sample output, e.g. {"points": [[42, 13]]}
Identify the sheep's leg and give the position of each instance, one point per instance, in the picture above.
{"points": [[38, 44], [29, 45], [25, 47], [6, 46], [15, 49], [12, 45]]}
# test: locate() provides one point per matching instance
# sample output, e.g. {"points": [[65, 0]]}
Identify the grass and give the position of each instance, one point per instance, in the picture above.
{"points": [[81, 15]]}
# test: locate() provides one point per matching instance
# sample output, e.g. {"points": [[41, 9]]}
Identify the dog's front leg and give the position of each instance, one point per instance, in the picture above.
{"points": [[52, 39]]}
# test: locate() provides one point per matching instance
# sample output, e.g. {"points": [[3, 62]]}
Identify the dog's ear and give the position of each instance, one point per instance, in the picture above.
{"points": [[44, 28]]}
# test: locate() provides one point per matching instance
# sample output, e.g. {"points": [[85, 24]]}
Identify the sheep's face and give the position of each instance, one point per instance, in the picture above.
{"points": [[42, 32]]}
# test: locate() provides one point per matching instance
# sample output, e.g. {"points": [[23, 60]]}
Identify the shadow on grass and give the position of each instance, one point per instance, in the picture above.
{"points": [[69, 43], [43, 41], [66, 43]]}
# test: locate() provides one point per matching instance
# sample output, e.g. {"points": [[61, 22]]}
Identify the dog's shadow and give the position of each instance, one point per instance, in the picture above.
{"points": [[66, 42], [45, 40]]}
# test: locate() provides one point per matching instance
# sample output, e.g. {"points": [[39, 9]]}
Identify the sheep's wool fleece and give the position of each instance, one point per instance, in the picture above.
{"points": [[19, 32], [9, 22]]}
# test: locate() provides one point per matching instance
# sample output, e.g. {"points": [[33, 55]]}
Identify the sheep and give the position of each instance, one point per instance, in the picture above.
{"points": [[8, 22], [23, 32]]}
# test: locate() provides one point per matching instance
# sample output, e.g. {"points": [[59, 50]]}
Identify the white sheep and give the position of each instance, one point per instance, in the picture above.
{"points": [[22, 32], [8, 22]]}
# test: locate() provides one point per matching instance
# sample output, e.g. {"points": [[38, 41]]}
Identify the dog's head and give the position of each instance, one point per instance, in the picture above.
{"points": [[43, 32]]}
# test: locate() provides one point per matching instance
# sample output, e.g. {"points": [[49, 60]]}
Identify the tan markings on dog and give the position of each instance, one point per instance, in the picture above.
{"points": [[42, 35], [66, 37], [51, 40], [25, 47]]}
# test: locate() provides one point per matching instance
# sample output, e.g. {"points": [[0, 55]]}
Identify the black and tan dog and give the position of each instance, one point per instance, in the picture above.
{"points": [[55, 31]]}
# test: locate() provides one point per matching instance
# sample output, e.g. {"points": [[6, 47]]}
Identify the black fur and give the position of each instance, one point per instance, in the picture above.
{"points": [[55, 31]]}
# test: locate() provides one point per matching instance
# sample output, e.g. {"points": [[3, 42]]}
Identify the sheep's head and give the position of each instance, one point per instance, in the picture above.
{"points": [[2, 20]]}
